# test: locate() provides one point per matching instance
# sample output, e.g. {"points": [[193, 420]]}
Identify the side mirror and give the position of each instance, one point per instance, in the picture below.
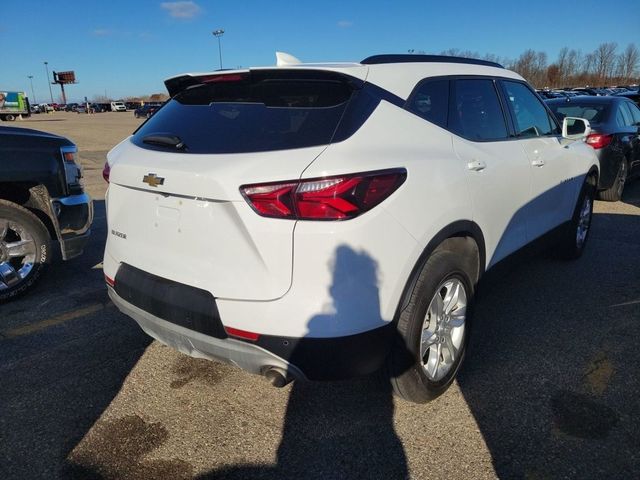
{"points": [[575, 128]]}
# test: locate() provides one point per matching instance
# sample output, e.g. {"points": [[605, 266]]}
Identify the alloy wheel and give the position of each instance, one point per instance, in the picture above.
{"points": [[584, 222], [443, 329], [17, 253]]}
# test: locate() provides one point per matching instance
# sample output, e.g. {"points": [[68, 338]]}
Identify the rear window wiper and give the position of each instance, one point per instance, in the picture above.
{"points": [[167, 141]]}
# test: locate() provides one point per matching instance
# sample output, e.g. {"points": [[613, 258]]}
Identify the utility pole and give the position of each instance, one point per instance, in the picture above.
{"points": [[46, 66], [218, 33], [33, 95]]}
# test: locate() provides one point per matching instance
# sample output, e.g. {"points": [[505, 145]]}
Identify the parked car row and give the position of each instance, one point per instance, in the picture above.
{"points": [[629, 91]]}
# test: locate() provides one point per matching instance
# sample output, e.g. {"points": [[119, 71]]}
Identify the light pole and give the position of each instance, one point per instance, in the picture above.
{"points": [[33, 95], [46, 66], [218, 33]]}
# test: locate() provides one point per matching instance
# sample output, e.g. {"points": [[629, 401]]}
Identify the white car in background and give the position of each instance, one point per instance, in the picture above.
{"points": [[118, 107], [321, 221]]}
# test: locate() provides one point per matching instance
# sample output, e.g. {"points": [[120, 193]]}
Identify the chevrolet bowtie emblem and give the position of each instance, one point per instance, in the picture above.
{"points": [[153, 180]]}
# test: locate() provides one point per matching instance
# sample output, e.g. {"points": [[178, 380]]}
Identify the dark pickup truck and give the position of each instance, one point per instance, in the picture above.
{"points": [[42, 201]]}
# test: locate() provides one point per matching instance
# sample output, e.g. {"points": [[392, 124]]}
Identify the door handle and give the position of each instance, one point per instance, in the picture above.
{"points": [[538, 162], [476, 165]]}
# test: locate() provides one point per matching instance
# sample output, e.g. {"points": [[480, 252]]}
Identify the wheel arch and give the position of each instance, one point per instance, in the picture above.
{"points": [[451, 237], [32, 196], [594, 174]]}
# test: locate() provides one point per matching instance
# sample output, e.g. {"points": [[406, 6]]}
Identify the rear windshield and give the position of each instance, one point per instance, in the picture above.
{"points": [[594, 113], [250, 115]]}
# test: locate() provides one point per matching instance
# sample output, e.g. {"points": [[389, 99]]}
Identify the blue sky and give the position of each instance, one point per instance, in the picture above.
{"points": [[128, 47]]}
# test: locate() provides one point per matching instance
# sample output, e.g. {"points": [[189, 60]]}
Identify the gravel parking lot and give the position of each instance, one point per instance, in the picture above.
{"points": [[549, 389]]}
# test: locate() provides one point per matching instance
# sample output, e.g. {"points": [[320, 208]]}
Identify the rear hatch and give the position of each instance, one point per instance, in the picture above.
{"points": [[174, 205]]}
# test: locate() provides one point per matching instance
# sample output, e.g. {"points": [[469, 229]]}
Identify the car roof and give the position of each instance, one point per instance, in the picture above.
{"points": [[398, 74]]}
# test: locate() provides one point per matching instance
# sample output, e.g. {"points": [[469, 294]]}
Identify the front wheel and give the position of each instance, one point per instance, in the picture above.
{"points": [[24, 250], [433, 329]]}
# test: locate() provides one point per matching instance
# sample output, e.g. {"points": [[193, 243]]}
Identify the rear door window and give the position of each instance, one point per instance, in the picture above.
{"points": [[625, 113], [430, 101], [529, 114], [250, 113], [635, 113], [476, 113]]}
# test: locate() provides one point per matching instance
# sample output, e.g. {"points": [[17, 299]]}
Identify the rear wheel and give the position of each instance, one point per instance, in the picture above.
{"points": [[576, 235], [24, 250], [433, 329], [614, 193]]}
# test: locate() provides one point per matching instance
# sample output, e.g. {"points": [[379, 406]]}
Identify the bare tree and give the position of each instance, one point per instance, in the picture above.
{"points": [[525, 64], [561, 64], [605, 60], [573, 62], [554, 74], [628, 62]]}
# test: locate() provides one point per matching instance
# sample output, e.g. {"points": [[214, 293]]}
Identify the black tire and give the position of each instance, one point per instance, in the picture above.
{"points": [[12, 215], [571, 244], [405, 368], [614, 193]]}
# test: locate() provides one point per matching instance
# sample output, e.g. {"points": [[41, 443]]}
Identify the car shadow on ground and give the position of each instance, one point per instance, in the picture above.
{"points": [[338, 430], [551, 372], [64, 354]]}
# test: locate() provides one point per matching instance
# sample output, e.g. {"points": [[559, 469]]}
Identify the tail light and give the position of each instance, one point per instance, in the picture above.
{"points": [[598, 140], [69, 156], [106, 171], [330, 198]]}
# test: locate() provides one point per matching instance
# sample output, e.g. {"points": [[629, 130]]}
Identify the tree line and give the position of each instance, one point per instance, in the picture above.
{"points": [[606, 66]]}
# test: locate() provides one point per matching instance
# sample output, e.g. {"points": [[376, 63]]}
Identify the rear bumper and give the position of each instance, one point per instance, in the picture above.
{"points": [[301, 358], [248, 356]]}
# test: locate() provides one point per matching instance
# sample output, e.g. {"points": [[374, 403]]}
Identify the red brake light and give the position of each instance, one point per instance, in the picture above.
{"points": [[228, 77], [110, 281], [330, 198], [106, 171], [598, 140]]}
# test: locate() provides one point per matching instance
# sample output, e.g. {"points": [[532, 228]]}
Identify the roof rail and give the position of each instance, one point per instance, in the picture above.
{"points": [[413, 58]]}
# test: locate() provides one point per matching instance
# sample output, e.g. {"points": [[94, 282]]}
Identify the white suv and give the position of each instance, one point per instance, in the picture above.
{"points": [[321, 221]]}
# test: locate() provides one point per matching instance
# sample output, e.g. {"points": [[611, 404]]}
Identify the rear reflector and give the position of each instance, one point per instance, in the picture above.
{"points": [[331, 198], [234, 332], [110, 281], [598, 140]]}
